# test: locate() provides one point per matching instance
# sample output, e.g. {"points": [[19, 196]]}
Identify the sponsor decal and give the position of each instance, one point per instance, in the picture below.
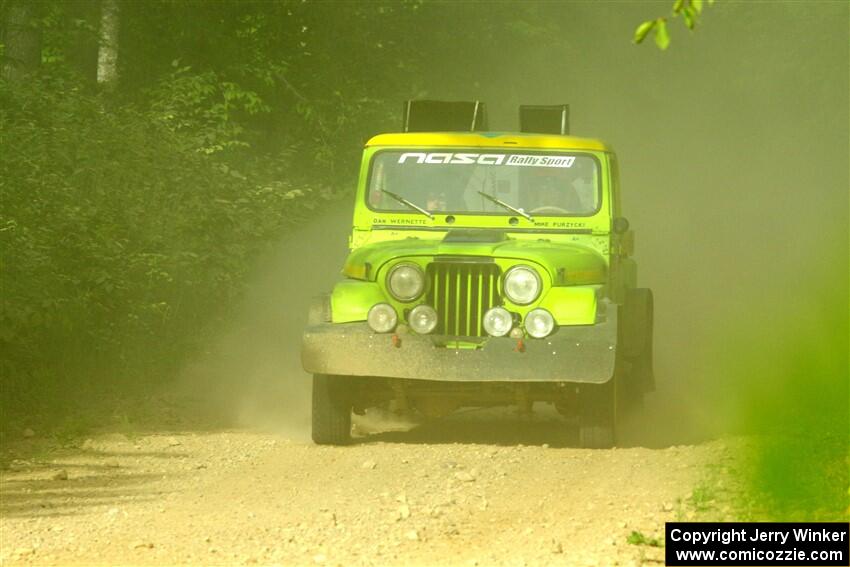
{"points": [[401, 221], [559, 224], [486, 159], [541, 161]]}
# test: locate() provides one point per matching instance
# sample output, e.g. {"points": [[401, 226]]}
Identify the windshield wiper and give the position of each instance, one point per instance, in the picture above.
{"points": [[404, 201], [501, 203]]}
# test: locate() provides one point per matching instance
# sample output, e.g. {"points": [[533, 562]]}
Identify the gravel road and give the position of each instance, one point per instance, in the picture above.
{"points": [[482, 488], [165, 484]]}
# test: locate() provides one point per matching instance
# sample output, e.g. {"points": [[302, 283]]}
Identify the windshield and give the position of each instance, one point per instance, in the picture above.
{"points": [[485, 182]]}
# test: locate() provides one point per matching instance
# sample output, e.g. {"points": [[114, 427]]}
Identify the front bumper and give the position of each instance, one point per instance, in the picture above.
{"points": [[582, 354]]}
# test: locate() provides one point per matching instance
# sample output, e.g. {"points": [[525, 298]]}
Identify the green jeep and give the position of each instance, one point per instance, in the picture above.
{"points": [[486, 268]]}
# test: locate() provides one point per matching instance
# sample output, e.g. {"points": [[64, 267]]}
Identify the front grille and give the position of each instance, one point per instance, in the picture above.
{"points": [[462, 292]]}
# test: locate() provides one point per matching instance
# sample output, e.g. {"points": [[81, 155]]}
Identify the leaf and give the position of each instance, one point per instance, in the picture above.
{"points": [[697, 6], [690, 18], [662, 37], [678, 5], [644, 29]]}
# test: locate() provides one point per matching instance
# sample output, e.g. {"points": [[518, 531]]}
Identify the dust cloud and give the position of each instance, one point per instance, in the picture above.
{"points": [[252, 375], [733, 149]]}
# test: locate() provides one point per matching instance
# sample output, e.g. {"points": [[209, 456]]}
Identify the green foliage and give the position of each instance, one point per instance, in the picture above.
{"points": [[637, 538], [204, 109], [121, 237], [643, 30], [690, 10], [662, 36], [129, 219], [796, 405], [702, 497]]}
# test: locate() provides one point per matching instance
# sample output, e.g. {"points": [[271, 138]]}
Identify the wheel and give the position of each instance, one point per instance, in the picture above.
{"points": [[597, 414], [331, 410]]}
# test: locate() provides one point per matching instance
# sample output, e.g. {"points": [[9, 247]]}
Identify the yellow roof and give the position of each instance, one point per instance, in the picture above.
{"points": [[488, 140]]}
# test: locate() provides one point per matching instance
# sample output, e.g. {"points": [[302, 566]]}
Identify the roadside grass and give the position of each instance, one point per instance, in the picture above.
{"points": [[781, 383], [797, 466], [703, 497], [638, 538], [708, 501]]}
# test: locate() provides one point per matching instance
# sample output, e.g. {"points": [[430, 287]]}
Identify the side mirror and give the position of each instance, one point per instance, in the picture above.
{"points": [[621, 225]]}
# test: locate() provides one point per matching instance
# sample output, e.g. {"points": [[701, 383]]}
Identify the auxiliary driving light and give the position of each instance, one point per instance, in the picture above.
{"points": [[498, 322], [522, 285], [539, 323], [382, 318], [422, 319]]}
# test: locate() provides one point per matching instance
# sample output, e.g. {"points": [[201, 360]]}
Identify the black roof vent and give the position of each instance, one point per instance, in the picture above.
{"points": [[545, 119], [443, 116]]}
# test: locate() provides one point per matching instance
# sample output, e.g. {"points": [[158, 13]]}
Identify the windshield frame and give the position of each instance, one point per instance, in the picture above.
{"points": [[466, 149]]}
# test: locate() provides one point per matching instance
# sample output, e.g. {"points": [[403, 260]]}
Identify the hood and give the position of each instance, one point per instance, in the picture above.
{"points": [[566, 263]]}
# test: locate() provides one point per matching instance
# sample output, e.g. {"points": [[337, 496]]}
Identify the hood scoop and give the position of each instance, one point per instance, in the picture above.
{"points": [[477, 236]]}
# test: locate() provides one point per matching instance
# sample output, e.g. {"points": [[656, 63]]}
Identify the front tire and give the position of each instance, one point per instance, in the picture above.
{"points": [[331, 410], [597, 415]]}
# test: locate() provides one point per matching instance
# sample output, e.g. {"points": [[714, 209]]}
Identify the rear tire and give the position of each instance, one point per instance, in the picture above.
{"points": [[331, 410], [597, 415]]}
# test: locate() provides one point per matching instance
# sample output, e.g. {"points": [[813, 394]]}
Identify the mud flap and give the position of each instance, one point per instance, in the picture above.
{"points": [[635, 337], [320, 309]]}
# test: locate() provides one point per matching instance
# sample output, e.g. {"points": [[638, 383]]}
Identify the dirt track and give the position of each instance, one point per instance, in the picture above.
{"points": [[481, 488], [247, 486]]}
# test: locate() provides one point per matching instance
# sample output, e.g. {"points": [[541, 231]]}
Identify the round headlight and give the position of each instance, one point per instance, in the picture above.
{"points": [[539, 323], [422, 319], [382, 318], [522, 285], [498, 322], [406, 282]]}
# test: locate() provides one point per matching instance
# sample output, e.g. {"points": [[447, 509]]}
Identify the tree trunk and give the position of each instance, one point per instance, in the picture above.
{"points": [[22, 42], [82, 46], [107, 55]]}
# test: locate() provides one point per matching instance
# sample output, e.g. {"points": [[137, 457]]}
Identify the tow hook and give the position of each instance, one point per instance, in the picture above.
{"points": [[396, 341], [520, 346]]}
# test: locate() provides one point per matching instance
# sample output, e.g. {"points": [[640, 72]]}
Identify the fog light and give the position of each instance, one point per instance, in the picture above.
{"points": [[539, 323], [382, 318], [497, 322], [422, 319]]}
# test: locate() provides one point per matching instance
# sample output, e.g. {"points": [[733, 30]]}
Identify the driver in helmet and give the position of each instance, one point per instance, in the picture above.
{"points": [[556, 195], [582, 187]]}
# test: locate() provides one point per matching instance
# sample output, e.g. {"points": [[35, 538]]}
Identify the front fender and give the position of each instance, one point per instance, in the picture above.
{"points": [[352, 299], [571, 305]]}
